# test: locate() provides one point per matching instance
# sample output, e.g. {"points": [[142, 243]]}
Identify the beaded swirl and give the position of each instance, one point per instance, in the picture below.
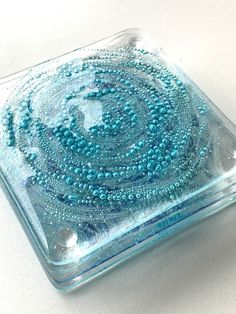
{"points": [[106, 135]]}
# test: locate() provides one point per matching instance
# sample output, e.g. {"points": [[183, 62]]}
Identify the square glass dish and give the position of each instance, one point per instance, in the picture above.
{"points": [[107, 150]]}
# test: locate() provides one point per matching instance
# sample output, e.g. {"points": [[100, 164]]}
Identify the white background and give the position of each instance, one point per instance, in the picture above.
{"points": [[196, 271]]}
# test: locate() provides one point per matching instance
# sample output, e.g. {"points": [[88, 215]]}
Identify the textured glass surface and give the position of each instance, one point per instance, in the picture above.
{"points": [[107, 150]]}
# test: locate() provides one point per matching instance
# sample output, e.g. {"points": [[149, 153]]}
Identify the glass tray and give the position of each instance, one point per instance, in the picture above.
{"points": [[109, 149]]}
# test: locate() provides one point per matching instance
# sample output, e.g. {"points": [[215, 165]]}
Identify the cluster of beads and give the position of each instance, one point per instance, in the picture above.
{"points": [[7, 123], [108, 134]]}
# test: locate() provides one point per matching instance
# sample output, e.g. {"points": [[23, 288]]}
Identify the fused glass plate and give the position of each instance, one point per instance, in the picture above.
{"points": [[107, 150]]}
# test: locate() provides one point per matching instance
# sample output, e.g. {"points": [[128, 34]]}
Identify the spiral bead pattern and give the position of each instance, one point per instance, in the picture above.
{"points": [[106, 135]]}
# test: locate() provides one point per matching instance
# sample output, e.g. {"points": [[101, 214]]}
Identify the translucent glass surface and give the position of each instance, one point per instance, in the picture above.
{"points": [[107, 150]]}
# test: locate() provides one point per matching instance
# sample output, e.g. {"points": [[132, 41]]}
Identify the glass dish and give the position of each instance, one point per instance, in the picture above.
{"points": [[109, 149]]}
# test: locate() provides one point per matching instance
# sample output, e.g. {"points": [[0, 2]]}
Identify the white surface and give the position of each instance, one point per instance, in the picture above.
{"points": [[193, 273]]}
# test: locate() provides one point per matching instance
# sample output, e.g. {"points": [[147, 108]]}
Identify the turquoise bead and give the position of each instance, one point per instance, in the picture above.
{"points": [[108, 134]]}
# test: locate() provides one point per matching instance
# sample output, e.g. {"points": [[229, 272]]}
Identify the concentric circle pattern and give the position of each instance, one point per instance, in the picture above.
{"points": [[106, 135]]}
